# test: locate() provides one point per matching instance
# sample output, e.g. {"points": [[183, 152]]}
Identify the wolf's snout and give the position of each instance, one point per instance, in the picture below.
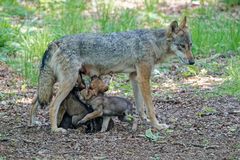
{"points": [[191, 61]]}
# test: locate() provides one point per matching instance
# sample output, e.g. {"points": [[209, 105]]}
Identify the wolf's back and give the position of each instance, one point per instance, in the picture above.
{"points": [[46, 76]]}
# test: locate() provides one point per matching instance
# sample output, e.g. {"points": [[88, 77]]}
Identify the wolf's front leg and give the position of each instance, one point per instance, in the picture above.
{"points": [[143, 75], [137, 96]]}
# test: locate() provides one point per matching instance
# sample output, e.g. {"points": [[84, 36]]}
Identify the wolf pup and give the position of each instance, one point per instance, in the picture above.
{"points": [[106, 106], [133, 52], [73, 110], [74, 107]]}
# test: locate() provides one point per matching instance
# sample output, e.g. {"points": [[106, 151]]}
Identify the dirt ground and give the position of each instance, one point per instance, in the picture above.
{"points": [[195, 132]]}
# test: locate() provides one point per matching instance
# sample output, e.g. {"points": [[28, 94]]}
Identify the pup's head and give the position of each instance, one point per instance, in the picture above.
{"points": [[180, 42], [127, 115], [98, 85]]}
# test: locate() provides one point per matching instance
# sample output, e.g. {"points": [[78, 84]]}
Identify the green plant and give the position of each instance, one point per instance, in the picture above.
{"points": [[232, 85], [237, 146], [122, 87], [14, 8], [231, 2], [32, 47], [190, 70], [8, 45], [152, 136], [150, 5], [206, 111], [212, 32], [105, 15], [68, 18]]}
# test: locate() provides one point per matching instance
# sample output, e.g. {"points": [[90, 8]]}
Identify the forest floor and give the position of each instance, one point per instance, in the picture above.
{"points": [[202, 127]]}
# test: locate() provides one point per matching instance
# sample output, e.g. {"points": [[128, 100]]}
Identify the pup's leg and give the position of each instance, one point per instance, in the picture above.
{"points": [[76, 119], [90, 116], [105, 123], [64, 89], [143, 75], [137, 96]]}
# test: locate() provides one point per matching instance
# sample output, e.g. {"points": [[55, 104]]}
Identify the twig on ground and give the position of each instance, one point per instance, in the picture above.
{"points": [[29, 141]]}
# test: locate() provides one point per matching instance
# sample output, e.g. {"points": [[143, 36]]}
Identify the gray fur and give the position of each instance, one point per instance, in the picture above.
{"points": [[135, 52], [114, 49]]}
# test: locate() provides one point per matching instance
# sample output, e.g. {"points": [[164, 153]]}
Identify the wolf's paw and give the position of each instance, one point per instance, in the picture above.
{"points": [[161, 126], [143, 117], [59, 130]]}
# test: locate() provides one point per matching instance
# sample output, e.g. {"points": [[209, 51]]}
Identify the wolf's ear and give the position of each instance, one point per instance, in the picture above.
{"points": [[172, 28], [184, 22]]}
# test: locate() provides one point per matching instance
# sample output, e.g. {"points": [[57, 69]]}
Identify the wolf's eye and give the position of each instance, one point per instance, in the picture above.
{"points": [[190, 44], [182, 45]]}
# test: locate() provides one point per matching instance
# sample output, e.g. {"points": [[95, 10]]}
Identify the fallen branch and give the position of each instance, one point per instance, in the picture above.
{"points": [[237, 112], [180, 144], [204, 146]]}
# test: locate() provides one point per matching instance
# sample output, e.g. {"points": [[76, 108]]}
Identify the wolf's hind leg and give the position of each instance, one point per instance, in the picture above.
{"points": [[64, 89], [33, 111]]}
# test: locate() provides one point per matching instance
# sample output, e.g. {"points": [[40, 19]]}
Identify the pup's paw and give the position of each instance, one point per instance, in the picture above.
{"points": [[81, 122], [59, 130]]}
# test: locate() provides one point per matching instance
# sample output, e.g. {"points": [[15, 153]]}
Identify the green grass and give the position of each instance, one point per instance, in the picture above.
{"points": [[231, 2], [33, 46], [13, 8], [214, 31], [68, 18], [8, 38], [232, 84]]}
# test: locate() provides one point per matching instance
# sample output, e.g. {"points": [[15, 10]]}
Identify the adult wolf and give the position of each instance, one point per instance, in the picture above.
{"points": [[134, 52]]}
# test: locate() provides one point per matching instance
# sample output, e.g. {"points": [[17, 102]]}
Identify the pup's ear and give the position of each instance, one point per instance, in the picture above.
{"points": [[184, 22], [172, 28]]}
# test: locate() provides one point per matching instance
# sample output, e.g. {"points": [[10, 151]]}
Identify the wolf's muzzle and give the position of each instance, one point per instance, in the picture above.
{"points": [[191, 61]]}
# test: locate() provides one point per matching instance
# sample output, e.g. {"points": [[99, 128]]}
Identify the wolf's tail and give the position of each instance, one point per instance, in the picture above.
{"points": [[46, 77]]}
